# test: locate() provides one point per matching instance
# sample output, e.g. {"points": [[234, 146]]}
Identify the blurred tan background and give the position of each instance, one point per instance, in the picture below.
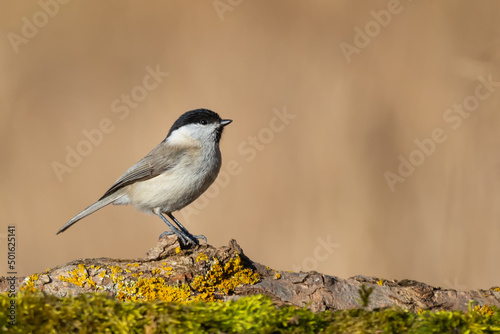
{"points": [[307, 192]]}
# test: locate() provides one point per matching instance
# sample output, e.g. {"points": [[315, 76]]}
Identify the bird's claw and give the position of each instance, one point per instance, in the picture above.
{"points": [[186, 239], [201, 237]]}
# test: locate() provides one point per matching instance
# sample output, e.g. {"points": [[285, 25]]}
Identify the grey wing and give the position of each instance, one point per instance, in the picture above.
{"points": [[159, 160]]}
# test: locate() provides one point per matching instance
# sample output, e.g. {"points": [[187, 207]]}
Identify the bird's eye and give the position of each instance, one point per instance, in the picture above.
{"points": [[203, 122]]}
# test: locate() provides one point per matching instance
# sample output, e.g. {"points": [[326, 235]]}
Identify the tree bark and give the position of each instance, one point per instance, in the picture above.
{"points": [[314, 290]]}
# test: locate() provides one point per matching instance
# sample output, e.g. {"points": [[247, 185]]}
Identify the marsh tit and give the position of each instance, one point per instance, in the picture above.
{"points": [[172, 175]]}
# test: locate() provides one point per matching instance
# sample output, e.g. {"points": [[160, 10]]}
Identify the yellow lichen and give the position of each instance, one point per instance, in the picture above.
{"points": [[149, 289], [79, 276], [483, 310], [380, 282], [201, 257], [115, 270], [224, 278], [177, 250], [168, 270], [29, 283], [220, 279], [277, 275]]}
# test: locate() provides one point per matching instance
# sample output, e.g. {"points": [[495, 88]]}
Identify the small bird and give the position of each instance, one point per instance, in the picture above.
{"points": [[172, 175]]}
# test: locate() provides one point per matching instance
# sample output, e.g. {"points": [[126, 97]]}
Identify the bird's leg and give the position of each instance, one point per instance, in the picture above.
{"points": [[185, 230], [185, 238]]}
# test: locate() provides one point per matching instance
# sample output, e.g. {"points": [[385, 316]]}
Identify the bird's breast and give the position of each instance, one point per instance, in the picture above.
{"points": [[178, 186]]}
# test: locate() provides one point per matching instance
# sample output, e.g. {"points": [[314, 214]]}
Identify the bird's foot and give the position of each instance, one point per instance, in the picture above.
{"points": [[200, 237], [185, 238], [166, 233]]}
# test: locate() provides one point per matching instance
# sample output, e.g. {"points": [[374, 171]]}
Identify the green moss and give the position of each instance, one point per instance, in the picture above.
{"points": [[364, 295], [97, 313]]}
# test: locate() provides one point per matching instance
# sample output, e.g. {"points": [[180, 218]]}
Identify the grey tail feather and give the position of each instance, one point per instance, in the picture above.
{"points": [[91, 209]]}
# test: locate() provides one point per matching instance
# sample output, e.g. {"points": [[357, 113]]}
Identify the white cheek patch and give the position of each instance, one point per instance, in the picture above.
{"points": [[193, 134], [181, 136]]}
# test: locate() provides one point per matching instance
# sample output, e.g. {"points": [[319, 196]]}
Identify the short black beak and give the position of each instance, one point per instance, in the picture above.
{"points": [[225, 122]]}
